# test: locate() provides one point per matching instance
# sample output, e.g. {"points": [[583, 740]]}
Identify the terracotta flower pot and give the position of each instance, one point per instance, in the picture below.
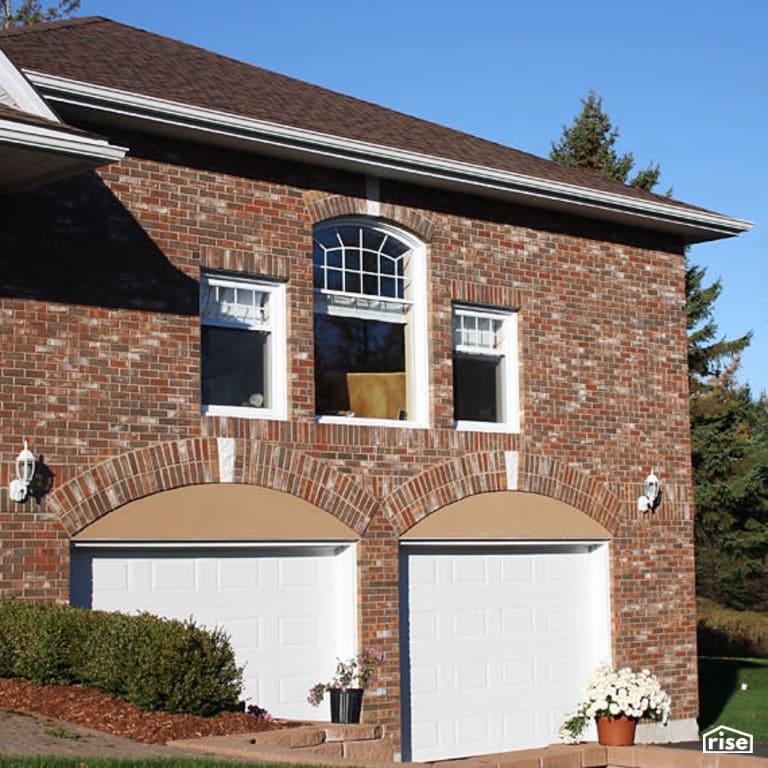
{"points": [[616, 731]]}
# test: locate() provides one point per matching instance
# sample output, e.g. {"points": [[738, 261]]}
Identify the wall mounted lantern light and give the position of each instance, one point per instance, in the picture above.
{"points": [[652, 497], [25, 471]]}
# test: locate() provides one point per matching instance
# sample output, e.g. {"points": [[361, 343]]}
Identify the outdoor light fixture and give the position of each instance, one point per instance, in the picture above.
{"points": [[25, 471], [652, 497]]}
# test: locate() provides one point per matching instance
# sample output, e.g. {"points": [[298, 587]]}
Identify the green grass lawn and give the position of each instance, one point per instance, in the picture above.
{"points": [[722, 700]]}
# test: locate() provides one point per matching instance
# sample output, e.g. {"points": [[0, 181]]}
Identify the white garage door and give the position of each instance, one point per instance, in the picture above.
{"points": [[289, 612], [499, 644]]}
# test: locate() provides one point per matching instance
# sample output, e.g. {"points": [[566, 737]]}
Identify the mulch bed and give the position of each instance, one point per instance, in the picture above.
{"points": [[99, 710]]}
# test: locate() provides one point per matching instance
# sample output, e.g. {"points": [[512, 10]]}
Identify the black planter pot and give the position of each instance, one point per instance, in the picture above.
{"points": [[346, 705]]}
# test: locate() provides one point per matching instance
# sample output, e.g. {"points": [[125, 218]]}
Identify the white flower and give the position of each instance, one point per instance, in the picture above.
{"points": [[617, 692]]}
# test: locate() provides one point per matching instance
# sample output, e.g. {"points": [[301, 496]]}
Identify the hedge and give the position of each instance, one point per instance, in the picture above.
{"points": [[156, 664], [727, 632]]}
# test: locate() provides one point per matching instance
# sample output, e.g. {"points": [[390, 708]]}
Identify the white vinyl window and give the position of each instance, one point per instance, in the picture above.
{"points": [[242, 347], [370, 324], [485, 377]]}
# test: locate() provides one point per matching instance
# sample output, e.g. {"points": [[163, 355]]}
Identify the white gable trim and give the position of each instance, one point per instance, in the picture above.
{"points": [[16, 91]]}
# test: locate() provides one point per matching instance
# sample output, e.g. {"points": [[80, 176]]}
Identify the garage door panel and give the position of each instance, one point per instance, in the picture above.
{"points": [[237, 575], [298, 632], [473, 730], [296, 573], [174, 576], [517, 621], [470, 676], [515, 723], [517, 571], [469, 624], [244, 633], [468, 571], [518, 675], [515, 635]]}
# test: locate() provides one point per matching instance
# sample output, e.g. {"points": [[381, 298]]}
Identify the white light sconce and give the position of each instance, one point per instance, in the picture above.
{"points": [[25, 471], [652, 497]]}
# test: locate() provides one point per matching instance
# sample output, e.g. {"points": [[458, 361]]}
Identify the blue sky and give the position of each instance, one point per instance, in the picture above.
{"points": [[685, 81]]}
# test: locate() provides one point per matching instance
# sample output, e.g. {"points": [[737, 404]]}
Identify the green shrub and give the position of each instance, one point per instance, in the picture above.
{"points": [[154, 663], [39, 644], [727, 632], [180, 667]]}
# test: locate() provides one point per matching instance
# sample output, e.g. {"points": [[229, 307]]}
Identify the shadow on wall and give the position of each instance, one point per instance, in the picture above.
{"points": [[73, 242]]}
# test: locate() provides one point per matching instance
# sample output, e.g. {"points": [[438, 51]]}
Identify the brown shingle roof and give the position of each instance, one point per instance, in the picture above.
{"points": [[102, 52]]}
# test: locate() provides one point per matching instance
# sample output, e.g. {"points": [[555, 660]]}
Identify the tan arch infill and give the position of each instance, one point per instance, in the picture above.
{"points": [[507, 515], [218, 512]]}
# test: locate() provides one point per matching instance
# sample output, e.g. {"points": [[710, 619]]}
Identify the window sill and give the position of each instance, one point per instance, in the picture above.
{"points": [[487, 426], [362, 422], [243, 412]]}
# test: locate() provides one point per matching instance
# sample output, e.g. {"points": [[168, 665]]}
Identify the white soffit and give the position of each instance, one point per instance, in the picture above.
{"points": [[228, 129]]}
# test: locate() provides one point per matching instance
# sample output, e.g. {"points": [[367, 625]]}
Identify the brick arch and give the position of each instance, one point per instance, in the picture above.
{"points": [[334, 206], [99, 489], [489, 471]]}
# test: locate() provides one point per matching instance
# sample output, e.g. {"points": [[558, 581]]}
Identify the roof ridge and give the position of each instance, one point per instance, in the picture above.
{"points": [[47, 26]]}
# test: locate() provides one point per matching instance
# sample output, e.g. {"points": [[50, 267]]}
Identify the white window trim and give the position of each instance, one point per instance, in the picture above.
{"points": [[417, 344], [277, 368], [510, 377]]}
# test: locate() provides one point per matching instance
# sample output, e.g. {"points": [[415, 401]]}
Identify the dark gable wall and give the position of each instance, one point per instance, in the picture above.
{"points": [[99, 357]]}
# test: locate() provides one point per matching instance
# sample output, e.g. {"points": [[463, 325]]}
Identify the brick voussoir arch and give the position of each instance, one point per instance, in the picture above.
{"points": [[335, 206], [111, 483], [485, 472]]}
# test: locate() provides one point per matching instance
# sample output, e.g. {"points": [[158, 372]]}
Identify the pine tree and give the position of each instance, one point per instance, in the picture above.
{"points": [[32, 12], [707, 355], [730, 466], [589, 144]]}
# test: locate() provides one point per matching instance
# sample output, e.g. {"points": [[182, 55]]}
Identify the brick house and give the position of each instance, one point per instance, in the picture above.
{"points": [[330, 376]]}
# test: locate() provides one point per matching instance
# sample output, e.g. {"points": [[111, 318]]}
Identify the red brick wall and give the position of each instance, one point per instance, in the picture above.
{"points": [[99, 367]]}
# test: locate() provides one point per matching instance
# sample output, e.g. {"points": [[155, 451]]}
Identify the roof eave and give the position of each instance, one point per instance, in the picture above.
{"points": [[691, 225], [31, 155]]}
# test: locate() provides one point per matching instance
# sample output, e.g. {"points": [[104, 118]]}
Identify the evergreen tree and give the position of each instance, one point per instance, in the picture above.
{"points": [[707, 355], [729, 438], [32, 12], [589, 144]]}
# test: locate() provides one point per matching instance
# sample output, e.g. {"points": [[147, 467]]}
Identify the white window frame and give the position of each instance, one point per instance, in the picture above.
{"points": [[502, 346], [412, 312], [271, 317]]}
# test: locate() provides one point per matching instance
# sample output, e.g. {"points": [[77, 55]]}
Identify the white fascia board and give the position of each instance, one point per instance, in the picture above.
{"points": [[59, 142], [699, 224], [21, 93]]}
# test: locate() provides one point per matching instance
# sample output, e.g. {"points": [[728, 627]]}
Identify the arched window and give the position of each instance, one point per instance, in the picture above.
{"points": [[370, 323]]}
